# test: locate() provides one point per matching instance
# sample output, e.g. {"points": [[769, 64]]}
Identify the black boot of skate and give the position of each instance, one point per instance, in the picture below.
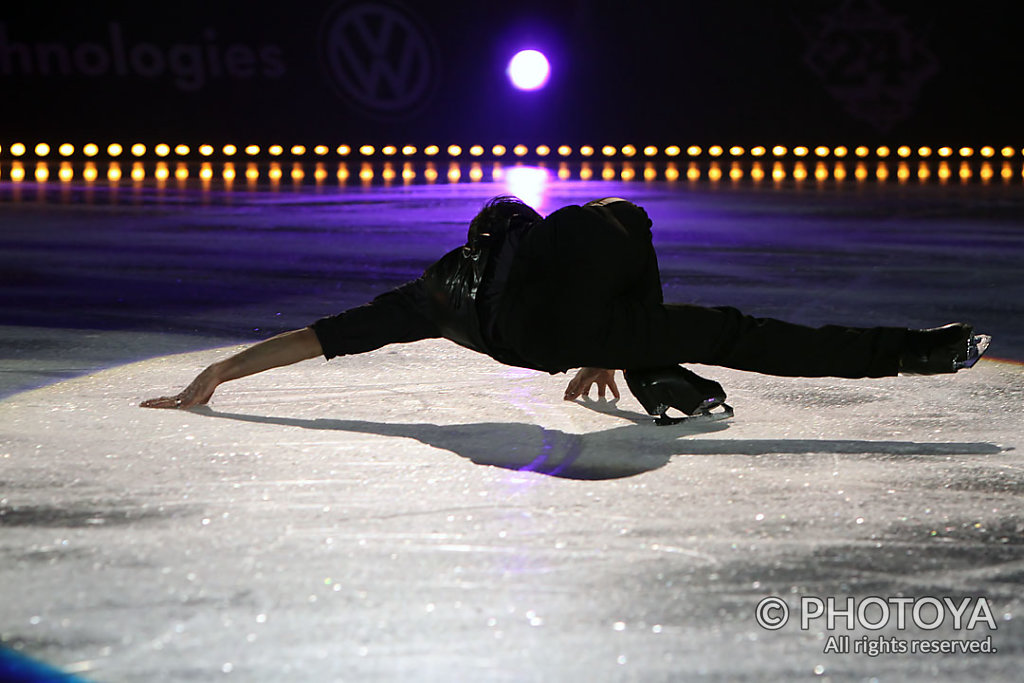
{"points": [[660, 389], [942, 350]]}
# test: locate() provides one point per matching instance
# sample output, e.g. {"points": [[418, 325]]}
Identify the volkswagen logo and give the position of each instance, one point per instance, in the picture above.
{"points": [[379, 56]]}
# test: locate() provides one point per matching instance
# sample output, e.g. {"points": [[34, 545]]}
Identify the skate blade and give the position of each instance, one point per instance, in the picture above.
{"points": [[704, 415], [976, 348]]}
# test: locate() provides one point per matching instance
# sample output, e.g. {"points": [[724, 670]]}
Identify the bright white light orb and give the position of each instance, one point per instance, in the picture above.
{"points": [[529, 70]]}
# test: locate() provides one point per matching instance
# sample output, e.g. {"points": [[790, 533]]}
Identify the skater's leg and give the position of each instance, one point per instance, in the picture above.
{"points": [[774, 347], [625, 333]]}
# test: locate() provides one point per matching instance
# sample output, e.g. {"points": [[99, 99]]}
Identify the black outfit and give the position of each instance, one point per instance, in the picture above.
{"points": [[582, 288]]}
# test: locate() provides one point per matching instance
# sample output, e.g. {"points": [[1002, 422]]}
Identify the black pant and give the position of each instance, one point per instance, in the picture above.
{"points": [[585, 291]]}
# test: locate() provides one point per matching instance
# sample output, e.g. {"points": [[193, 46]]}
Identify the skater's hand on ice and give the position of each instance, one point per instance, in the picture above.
{"points": [[196, 393], [588, 377]]}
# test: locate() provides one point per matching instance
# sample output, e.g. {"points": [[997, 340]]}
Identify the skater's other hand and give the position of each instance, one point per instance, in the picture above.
{"points": [[196, 393], [588, 377]]}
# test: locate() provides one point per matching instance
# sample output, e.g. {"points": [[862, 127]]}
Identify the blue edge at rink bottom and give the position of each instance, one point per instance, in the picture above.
{"points": [[17, 668]]}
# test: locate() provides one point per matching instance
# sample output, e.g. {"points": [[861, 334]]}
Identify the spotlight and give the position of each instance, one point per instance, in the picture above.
{"points": [[528, 70]]}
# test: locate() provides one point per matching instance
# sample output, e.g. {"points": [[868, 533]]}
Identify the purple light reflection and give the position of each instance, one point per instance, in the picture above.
{"points": [[529, 183]]}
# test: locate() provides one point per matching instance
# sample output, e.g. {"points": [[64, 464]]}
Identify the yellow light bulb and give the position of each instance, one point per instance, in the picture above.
{"points": [[206, 150], [275, 151], [252, 150], [90, 150], [298, 150], [138, 149], [66, 149], [42, 149], [454, 150], [181, 151]]}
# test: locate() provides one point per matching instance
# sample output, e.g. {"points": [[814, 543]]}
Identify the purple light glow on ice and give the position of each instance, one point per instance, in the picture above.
{"points": [[529, 70]]}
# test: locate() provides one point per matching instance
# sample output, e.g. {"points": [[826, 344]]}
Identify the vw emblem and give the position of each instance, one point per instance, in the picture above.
{"points": [[379, 57]]}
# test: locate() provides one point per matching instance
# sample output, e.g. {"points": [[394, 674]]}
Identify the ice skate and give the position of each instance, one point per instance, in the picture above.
{"points": [[942, 350], [661, 389]]}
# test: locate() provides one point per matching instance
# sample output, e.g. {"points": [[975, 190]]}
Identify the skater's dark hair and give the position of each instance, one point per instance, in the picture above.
{"points": [[497, 215]]}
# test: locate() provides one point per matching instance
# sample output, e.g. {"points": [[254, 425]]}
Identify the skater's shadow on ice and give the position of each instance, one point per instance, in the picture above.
{"points": [[609, 454]]}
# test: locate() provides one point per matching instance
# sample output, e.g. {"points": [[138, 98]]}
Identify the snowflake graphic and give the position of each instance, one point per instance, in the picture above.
{"points": [[870, 61]]}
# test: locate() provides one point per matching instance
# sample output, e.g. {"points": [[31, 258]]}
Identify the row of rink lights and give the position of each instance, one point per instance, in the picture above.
{"points": [[778, 171], [115, 150]]}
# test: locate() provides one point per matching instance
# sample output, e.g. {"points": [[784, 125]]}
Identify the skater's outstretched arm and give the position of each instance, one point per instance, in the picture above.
{"points": [[284, 349], [588, 377]]}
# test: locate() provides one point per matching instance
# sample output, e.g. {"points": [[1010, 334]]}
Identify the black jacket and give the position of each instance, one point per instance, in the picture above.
{"points": [[455, 298]]}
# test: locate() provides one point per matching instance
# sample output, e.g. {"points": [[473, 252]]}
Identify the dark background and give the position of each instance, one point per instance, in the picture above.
{"points": [[808, 72]]}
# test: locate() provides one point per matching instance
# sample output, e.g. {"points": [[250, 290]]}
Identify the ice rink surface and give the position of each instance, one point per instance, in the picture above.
{"points": [[425, 513]]}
